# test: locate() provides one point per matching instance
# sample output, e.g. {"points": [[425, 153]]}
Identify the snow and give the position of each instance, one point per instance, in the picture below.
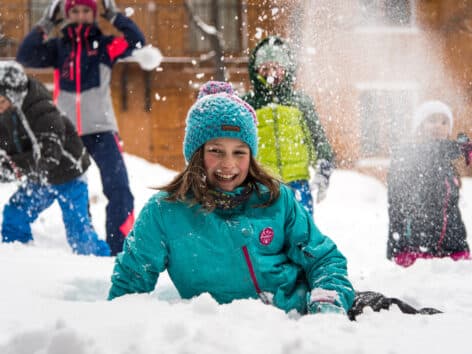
{"points": [[52, 301], [148, 57]]}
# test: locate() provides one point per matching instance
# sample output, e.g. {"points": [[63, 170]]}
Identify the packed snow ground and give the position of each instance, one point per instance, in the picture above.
{"points": [[54, 302]]}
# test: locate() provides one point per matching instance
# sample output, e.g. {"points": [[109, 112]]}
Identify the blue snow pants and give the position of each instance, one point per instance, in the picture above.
{"points": [[106, 151], [31, 199], [302, 191]]}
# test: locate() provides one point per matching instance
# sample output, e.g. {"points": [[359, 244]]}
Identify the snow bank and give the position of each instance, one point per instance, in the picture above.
{"points": [[53, 302]]}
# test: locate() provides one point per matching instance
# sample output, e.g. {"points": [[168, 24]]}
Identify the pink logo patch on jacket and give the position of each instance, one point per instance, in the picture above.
{"points": [[266, 236]]}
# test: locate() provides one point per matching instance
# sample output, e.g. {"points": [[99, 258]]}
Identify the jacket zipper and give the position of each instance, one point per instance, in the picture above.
{"points": [[250, 267], [77, 80]]}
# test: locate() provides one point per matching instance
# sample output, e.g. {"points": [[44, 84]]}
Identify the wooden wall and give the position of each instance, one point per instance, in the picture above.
{"points": [[151, 106]]}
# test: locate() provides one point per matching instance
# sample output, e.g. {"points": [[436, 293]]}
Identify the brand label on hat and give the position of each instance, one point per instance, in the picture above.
{"points": [[232, 128], [266, 236]]}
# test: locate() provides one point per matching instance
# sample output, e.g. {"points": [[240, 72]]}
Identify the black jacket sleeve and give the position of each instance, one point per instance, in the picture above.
{"points": [[47, 125], [398, 186]]}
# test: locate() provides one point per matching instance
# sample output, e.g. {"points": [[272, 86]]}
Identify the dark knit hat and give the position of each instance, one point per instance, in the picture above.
{"points": [[219, 113], [71, 3], [13, 82]]}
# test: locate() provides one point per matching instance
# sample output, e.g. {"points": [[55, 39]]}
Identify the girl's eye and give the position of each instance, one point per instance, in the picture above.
{"points": [[240, 152], [214, 151]]}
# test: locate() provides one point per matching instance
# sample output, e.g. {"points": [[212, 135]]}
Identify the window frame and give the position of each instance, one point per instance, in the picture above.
{"points": [[194, 34], [377, 27]]}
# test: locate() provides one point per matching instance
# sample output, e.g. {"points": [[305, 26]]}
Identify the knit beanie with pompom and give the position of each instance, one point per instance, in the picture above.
{"points": [[219, 113]]}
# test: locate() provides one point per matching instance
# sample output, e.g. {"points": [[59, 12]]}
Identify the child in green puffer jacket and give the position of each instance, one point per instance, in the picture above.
{"points": [[291, 137], [226, 227]]}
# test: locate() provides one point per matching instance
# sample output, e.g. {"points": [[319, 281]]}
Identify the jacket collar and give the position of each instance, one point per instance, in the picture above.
{"points": [[71, 30]]}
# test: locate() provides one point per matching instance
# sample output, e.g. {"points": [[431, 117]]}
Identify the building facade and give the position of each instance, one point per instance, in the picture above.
{"points": [[367, 64]]}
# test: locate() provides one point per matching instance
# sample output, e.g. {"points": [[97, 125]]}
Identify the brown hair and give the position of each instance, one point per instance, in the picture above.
{"points": [[191, 184]]}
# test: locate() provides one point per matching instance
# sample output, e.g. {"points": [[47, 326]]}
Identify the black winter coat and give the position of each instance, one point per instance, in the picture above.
{"points": [[423, 196], [55, 153]]}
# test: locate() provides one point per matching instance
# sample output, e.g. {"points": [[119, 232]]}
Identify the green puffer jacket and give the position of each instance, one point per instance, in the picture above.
{"points": [[235, 254], [287, 123]]}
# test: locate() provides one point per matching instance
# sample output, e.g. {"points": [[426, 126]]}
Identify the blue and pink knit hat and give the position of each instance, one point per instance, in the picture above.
{"points": [[219, 113]]}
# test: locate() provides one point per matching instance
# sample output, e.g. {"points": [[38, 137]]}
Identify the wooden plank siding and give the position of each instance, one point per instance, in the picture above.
{"points": [[152, 121], [151, 106]]}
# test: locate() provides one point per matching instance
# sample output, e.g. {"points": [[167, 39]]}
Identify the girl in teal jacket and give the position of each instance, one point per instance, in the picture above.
{"points": [[226, 227]]}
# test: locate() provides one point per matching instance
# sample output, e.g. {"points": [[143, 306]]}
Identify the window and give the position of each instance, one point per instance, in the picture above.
{"points": [[37, 9], [386, 12], [227, 20], [384, 117]]}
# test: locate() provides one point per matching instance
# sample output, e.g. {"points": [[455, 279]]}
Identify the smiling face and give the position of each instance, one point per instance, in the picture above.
{"points": [[436, 126], [5, 104], [226, 162], [81, 14]]}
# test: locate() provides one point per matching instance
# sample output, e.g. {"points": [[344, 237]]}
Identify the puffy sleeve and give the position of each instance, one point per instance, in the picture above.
{"points": [[121, 47], [324, 265], [400, 196], [144, 254], [36, 52], [320, 142]]}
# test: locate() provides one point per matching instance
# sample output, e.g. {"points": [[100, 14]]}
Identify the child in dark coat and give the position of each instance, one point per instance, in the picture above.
{"points": [[423, 191], [40, 148]]}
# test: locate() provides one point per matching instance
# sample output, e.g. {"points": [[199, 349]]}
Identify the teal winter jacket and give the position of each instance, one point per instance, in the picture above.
{"points": [[236, 254]]}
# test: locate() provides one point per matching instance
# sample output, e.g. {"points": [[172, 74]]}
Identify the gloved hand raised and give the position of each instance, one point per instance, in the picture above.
{"points": [[465, 146], [320, 181], [110, 9], [52, 16]]}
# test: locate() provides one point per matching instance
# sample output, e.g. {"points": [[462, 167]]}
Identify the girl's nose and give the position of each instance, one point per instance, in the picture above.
{"points": [[227, 162]]}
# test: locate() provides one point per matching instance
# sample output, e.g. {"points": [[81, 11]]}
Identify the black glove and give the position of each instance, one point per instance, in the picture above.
{"points": [[465, 146], [52, 16], [110, 10]]}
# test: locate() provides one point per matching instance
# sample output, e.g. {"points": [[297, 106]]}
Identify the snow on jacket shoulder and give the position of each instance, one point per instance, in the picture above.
{"points": [[62, 154], [82, 58], [213, 252]]}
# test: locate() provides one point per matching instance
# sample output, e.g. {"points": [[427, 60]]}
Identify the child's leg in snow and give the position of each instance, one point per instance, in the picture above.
{"points": [[106, 152], [73, 199], [301, 189], [22, 209]]}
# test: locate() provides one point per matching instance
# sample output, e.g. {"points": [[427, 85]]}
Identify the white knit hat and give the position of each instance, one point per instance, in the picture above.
{"points": [[429, 108], [13, 82]]}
